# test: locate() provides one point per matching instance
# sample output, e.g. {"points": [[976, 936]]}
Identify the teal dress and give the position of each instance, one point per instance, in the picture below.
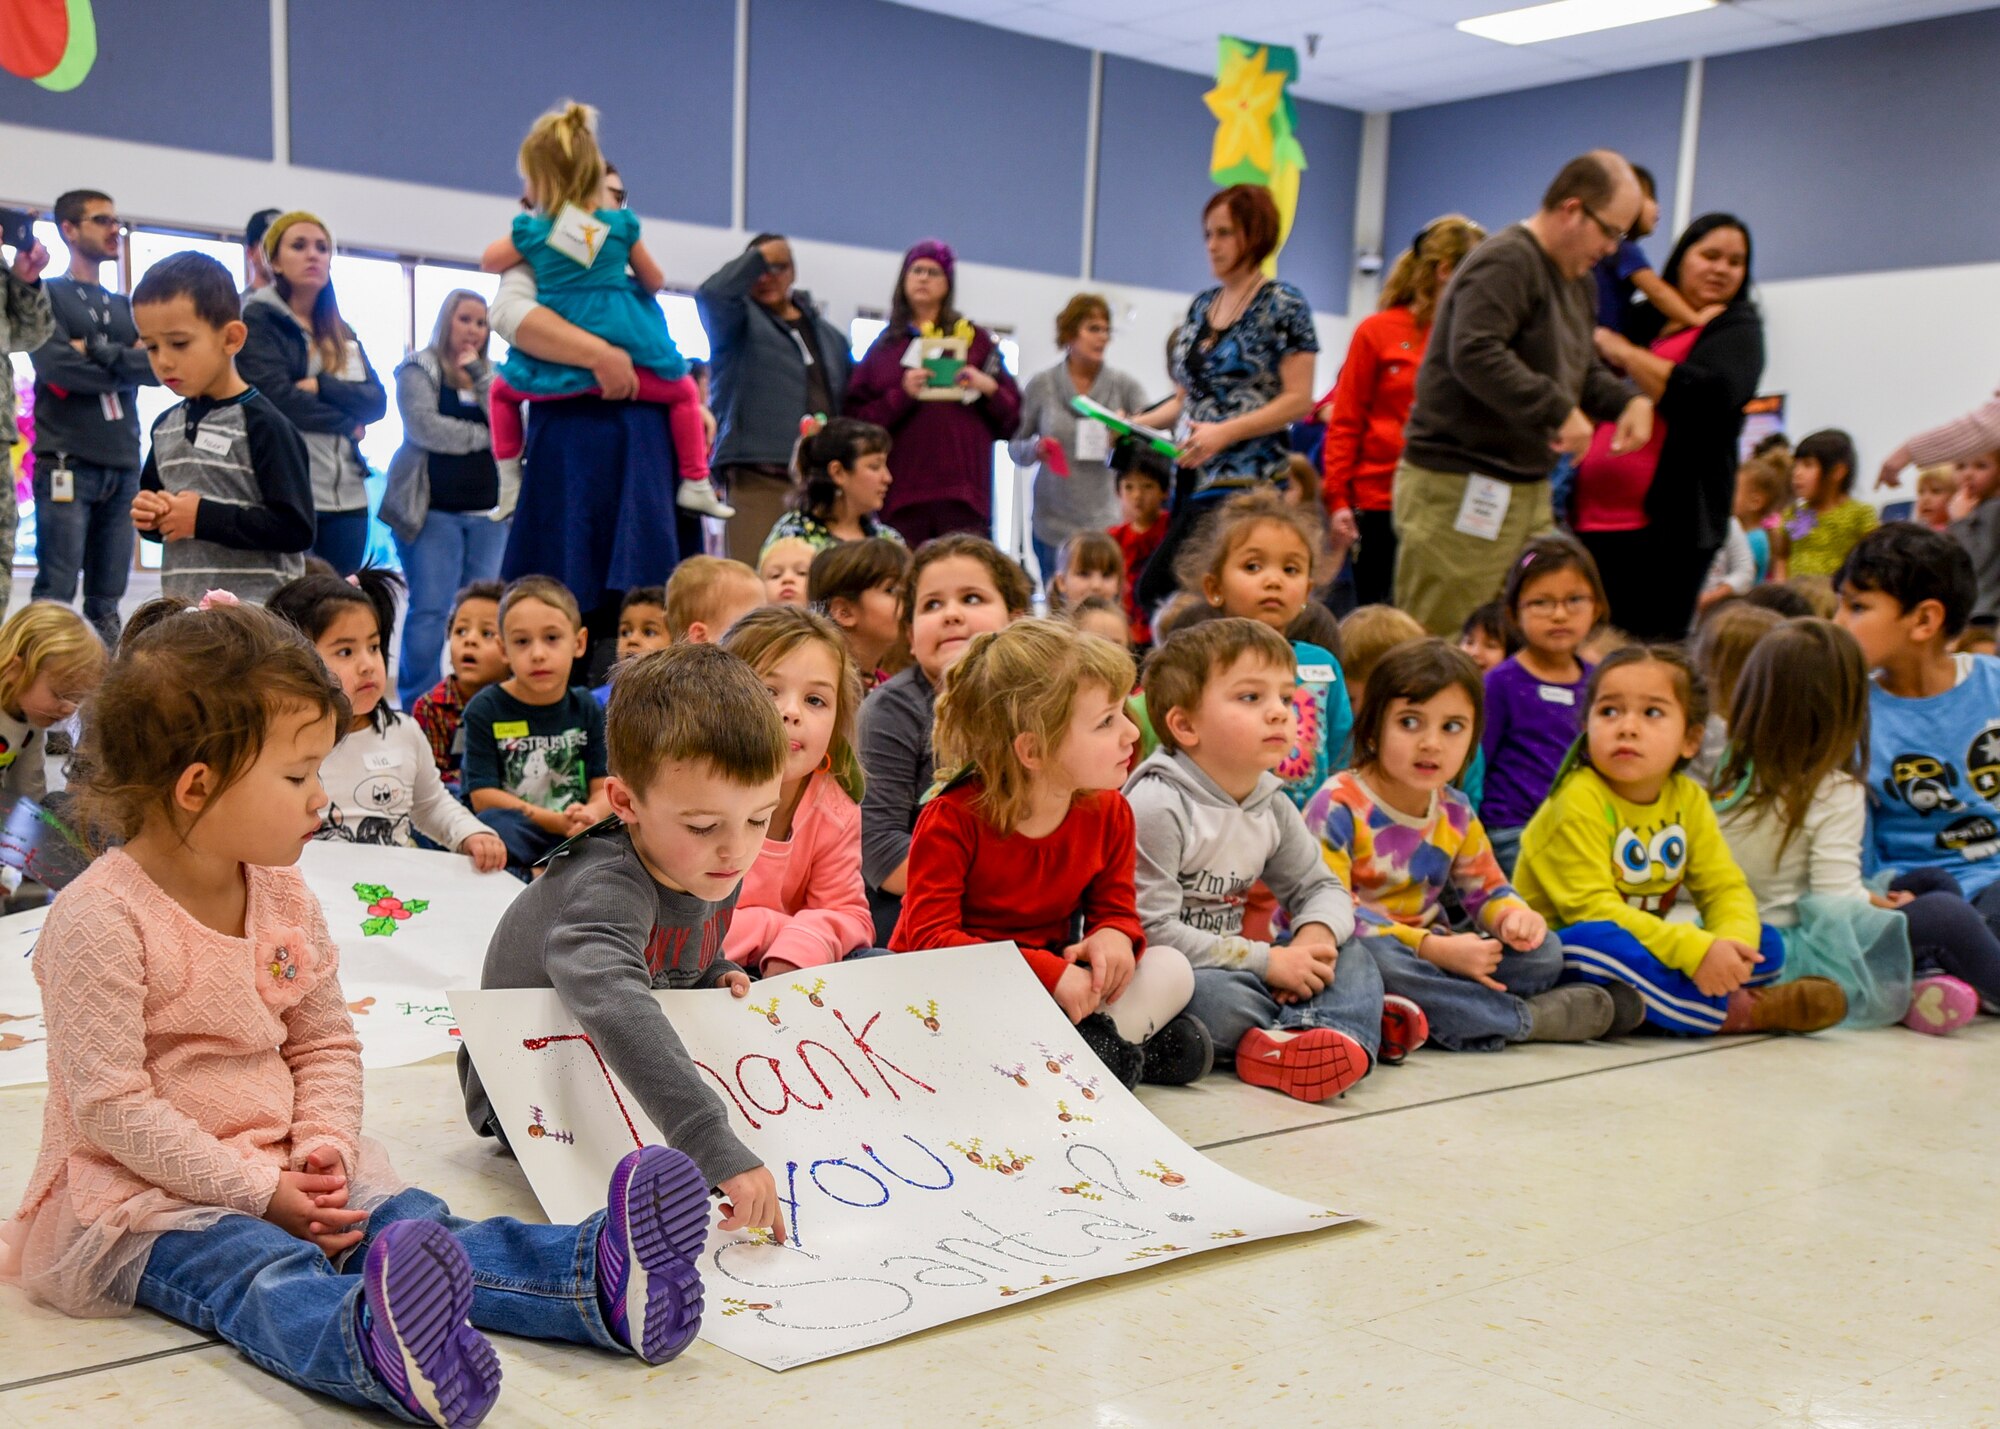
{"points": [[601, 299]]}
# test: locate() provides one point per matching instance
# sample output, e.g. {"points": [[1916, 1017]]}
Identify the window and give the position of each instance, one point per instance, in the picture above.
{"points": [[684, 325]]}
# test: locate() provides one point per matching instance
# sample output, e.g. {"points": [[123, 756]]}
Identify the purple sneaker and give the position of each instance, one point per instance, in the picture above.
{"points": [[655, 1224], [416, 1291]]}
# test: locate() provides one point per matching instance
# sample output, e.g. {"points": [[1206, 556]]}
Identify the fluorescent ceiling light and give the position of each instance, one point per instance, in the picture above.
{"points": [[1574, 17]]}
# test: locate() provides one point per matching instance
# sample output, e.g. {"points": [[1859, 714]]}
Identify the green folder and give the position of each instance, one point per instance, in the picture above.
{"points": [[1153, 437]]}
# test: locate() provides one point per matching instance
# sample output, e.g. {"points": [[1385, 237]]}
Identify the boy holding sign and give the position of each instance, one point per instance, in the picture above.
{"points": [[642, 900]]}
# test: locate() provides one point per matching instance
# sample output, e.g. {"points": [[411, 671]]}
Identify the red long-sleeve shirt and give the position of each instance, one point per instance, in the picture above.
{"points": [[1371, 404], [1138, 547], [970, 883]]}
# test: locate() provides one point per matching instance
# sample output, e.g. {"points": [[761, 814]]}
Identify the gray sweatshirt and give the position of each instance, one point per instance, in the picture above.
{"points": [[1086, 499], [603, 933], [1199, 852]]}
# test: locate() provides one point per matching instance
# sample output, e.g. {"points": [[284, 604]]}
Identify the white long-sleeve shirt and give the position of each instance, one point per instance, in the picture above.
{"points": [[385, 790], [1824, 856], [1735, 565]]}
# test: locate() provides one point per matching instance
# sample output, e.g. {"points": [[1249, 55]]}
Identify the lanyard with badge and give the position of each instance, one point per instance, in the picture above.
{"points": [[111, 404]]}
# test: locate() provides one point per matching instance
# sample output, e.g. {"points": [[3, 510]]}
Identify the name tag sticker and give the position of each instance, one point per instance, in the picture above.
{"points": [[577, 235], [215, 443], [1316, 674], [468, 397], [1557, 695], [1093, 441], [511, 729], [1484, 509], [378, 761]]}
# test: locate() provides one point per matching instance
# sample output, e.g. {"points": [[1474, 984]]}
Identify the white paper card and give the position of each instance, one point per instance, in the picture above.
{"points": [[1484, 509], [1093, 441], [577, 235], [943, 1142]]}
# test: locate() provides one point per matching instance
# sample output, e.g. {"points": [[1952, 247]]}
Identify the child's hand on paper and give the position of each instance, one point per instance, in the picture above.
{"points": [[738, 983], [751, 1199], [1075, 994], [1108, 954], [487, 853], [1521, 929]]}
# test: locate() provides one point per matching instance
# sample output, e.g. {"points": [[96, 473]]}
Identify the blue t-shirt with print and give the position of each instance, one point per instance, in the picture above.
{"points": [[1934, 778]]}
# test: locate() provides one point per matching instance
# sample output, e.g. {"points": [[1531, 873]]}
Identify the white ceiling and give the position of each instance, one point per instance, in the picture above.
{"points": [[1396, 54]]}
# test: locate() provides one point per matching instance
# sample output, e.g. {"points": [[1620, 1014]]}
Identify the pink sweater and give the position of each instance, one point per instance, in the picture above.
{"points": [[186, 1069], [803, 900], [1974, 434]]}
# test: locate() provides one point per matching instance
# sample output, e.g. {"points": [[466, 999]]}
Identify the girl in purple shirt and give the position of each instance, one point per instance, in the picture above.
{"points": [[1534, 699]]}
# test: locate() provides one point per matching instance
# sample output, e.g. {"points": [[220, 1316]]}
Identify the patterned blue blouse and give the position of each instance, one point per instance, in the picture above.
{"points": [[1228, 373]]}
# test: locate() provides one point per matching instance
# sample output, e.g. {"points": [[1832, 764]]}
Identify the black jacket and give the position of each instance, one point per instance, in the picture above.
{"points": [[1694, 487]]}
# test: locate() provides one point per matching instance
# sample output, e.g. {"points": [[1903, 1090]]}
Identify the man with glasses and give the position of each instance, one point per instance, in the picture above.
{"points": [[1510, 380], [87, 377]]}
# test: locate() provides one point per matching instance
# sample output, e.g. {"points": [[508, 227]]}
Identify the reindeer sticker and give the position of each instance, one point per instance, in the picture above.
{"points": [[927, 1015], [1087, 1089], [1055, 1061], [812, 993], [1165, 1175], [1081, 1190], [769, 1014], [1007, 1163], [538, 1129], [1017, 1073], [1064, 1114]]}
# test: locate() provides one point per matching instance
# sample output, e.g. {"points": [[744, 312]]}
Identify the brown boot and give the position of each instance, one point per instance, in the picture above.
{"points": [[1811, 1004]]}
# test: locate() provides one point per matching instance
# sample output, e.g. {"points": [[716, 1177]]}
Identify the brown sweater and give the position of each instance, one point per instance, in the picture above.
{"points": [[1510, 354]]}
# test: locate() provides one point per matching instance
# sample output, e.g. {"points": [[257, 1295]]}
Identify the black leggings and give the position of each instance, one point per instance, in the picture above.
{"points": [[1652, 582], [1375, 558], [1950, 933]]}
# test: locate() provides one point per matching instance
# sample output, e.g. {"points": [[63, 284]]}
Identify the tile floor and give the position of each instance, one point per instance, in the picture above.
{"points": [[1748, 1232]]}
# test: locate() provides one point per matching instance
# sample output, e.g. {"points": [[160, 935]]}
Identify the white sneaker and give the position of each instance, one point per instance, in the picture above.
{"points": [[701, 496], [510, 487]]}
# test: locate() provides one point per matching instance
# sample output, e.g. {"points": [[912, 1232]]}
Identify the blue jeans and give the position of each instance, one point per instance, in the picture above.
{"points": [[528, 843], [1045, 559], [1506, 846], [92, 535], [454, 549], [340, 538], [1466, 1016], [1231, 1001], [1603, 952], [291, 1311]]}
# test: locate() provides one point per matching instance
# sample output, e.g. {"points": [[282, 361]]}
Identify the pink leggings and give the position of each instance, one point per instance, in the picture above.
{"points": [[680, 397]]}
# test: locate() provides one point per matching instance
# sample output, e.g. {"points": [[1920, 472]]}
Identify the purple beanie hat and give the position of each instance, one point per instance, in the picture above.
{"points": [[938, 251]]}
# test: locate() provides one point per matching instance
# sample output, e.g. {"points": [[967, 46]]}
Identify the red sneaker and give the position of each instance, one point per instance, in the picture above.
{"points": [[1404, 1028], [1312, 1064]]}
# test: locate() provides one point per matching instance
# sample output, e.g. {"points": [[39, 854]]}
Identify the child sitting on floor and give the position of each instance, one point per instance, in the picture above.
{"points": [[1030, 834], [858, 585], [642, 629], [477, 660], [1305, 1016], [706, 595]]}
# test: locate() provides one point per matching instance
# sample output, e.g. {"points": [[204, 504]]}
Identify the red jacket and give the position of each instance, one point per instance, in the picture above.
{"points": [[1138, 547], [969, 883], [1371, 402]]}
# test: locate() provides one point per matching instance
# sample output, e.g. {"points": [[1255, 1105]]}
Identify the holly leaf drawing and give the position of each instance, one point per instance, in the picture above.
{"points": [[416, 905], [378, 927], [371, 892]]}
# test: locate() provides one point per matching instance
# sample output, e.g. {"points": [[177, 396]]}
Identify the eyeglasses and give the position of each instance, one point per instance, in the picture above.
{"points": [[617, 195], [105, 220], [1611, 235], [1569, 604]]}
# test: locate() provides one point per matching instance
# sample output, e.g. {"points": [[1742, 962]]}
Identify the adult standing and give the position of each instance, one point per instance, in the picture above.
{"points": [[256, 271], [304, 357], [25, 324], [1242, 364], [87, 380], [1511, 377], [443, 482], [945, 448], [1655, 518], [1085, 496], [774, 361], [1372, 396]]}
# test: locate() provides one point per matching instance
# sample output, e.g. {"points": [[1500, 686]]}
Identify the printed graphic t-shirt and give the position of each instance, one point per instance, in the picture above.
{"points": [[543, 754], [1934, 778]]}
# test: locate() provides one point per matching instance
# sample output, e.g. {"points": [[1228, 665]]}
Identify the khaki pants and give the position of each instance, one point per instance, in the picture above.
{"points": [[1442, 574], [760, 494]]}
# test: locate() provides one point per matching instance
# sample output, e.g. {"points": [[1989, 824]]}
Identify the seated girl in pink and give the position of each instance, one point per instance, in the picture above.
{"points": [[803, 903]]}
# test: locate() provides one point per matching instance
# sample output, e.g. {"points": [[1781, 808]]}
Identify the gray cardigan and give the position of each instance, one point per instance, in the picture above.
{"points": [[757, 377], [406, 502], [1087, 500]]}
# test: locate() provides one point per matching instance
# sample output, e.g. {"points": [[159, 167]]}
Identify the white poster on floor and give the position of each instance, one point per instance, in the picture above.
{"points": [[943, 1144], [409, 924]]}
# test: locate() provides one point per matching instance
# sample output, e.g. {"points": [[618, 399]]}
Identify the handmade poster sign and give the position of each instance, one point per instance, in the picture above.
{"points": [[943, 1142], [409, 925]]}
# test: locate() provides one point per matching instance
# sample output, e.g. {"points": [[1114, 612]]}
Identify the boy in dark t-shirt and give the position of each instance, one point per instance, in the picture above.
{"points": [[534, 747]]}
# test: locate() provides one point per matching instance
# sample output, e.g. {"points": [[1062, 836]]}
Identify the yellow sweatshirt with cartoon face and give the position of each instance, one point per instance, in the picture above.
{"points": [[1589, 856]]}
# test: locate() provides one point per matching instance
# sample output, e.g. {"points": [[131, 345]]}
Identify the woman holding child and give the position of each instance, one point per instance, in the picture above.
{"points": [[1654, 518]]}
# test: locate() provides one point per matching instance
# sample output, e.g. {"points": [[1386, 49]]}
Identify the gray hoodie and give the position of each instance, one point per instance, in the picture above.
{"points": [[1199, 852]]}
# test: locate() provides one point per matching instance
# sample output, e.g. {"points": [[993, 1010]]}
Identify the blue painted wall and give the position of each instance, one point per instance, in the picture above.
{"points": [[878, 125], [194, 74], [442, 94], [1154, 141], [1860, 152], [1491, 158]]}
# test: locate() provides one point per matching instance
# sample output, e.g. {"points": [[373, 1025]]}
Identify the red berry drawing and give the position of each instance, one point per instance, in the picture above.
{"points": [[385, 909]]}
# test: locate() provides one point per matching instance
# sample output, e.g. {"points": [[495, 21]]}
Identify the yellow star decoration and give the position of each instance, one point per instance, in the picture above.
{"points": [[1243, 102]]}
